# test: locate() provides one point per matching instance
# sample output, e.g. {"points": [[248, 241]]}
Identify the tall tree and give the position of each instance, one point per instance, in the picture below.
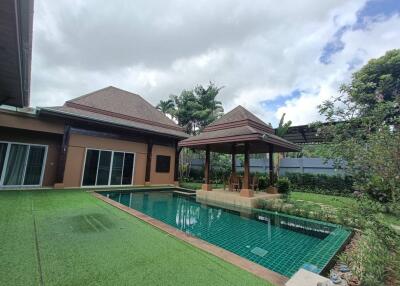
{"points": [[167, 107], [194, 109], [186, 107], [365, 133], [365, 121], [211, 108]]}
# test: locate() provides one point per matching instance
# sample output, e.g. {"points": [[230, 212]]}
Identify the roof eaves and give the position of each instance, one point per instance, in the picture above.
{"points": [[60, 113], [282, 141], [226, 139]]}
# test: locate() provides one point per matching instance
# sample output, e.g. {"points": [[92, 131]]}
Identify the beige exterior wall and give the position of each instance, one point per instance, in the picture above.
{"points": [[29, 129], [28, 122], [76, 156], [52, 141], [162, 178], [26, 128]]}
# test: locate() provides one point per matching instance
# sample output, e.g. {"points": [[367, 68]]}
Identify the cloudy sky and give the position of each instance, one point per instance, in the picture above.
{"points": [[271, 56]]}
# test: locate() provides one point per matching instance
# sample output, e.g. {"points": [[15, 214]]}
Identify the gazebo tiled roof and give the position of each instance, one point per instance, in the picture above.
{"points": [[237, 127]]}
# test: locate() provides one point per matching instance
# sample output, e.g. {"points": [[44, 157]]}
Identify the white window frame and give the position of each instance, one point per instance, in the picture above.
{"points": [[111, 162], [3, 173]]}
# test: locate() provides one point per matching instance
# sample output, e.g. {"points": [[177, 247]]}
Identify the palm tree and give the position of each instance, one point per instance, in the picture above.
{"points": [[211, 108], [167, 107], [281, 130], [283, 126]]}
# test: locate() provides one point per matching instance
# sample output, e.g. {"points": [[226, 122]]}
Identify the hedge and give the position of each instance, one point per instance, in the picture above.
{"points": [[321, 183]]}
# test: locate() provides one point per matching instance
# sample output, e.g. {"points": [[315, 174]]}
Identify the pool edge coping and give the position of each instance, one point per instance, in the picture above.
{"points": [[247, 265]]}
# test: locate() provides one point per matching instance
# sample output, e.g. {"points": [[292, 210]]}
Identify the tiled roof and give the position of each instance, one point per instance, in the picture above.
{"points": [[237, 115], [116, 106], [237, 134], [239, 125]]}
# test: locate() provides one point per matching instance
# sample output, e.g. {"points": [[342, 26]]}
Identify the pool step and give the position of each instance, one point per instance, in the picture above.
{"points": [[185, 193]]}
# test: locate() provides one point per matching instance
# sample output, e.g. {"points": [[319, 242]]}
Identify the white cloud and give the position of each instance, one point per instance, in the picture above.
{"points": [[155, 48], [362, 45]]}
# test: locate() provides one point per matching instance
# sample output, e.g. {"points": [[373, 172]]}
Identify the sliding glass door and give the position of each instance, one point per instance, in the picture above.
{"points": [[103, 172], [34, 165], [21, 164], [108, 168], [117, 165], [3, 151], [92, 158]]}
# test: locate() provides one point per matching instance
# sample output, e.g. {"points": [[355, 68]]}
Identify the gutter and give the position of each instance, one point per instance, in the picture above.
{"points": [[23, 10], [19, 52]]}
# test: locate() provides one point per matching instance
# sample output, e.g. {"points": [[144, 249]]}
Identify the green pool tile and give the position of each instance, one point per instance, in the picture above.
{"points": [[283, 243]]}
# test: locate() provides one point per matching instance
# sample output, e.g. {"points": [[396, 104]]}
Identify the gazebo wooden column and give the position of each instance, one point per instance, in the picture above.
{"points": [[233, 164], [246, 191], [271, 164], [207, 186], [233, 158]]}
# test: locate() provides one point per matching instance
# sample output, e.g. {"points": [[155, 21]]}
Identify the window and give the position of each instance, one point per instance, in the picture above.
{"points": [[117, 165], [3, 151], [34, 165], [128, 169], [103, 172], [90, 173], [105, 168], [21, 164], [162, 164]]}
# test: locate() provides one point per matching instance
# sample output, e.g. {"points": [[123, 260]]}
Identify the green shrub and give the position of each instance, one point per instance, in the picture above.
{"points": [[299, 208], [263, 182], [196, 175], [369, 261], [321, 183], [283, 185]]}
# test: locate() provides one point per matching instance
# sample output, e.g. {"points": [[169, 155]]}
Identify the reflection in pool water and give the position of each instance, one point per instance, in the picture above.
{"points": [[279, 242]]}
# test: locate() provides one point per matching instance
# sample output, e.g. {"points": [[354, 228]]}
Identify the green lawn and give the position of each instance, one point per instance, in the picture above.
{"points": [[333, 201], [81, 240], [338, 202]]}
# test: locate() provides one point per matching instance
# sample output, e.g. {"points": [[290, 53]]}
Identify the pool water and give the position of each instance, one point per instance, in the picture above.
{"points": [[278, 242]]}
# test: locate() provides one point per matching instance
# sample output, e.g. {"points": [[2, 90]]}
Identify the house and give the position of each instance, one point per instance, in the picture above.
{"points": [[109, 137]]}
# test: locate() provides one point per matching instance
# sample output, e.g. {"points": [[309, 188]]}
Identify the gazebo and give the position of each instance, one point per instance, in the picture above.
{"points": [[239, 132]]}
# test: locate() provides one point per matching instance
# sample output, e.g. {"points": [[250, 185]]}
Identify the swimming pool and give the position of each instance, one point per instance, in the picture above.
{"points": [[278, 242]]}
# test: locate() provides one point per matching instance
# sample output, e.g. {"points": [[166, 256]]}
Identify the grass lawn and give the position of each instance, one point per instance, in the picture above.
{"points": [[333, 201], [338, 202], [72, 238]]}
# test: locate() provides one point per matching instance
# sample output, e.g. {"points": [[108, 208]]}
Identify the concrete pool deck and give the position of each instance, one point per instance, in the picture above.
{"points": [[220, 196], [256, 269]]}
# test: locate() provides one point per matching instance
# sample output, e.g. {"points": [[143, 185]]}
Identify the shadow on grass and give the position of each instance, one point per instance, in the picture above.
{"points": [[93, 222]]}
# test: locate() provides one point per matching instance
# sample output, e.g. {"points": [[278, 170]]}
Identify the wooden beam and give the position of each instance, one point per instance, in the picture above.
{"points": [[207, 166], [63, 154], [246, 175], [176, 169], [148, 160], [271, 164], [207, 186], [234, 158]]}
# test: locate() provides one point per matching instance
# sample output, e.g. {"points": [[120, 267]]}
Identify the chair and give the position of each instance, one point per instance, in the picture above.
{"points": [[254, 183], [234, 182]]}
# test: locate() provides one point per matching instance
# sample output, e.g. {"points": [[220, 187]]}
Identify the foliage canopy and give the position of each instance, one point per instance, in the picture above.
{"points": [[364, 128], [194, 109]]}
